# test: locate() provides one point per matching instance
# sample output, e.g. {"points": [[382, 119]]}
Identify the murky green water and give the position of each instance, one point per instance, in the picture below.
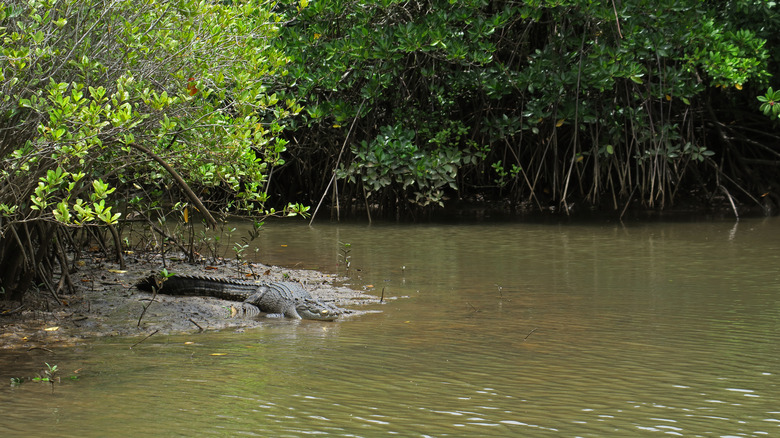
{"points": [[506, 330]]}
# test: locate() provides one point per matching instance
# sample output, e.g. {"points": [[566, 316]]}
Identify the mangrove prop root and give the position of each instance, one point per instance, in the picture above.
{"points": [[731, 200], [338, 160], [117, 246]]}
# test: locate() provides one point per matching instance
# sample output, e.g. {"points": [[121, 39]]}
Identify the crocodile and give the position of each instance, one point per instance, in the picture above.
{"points": [[284, 298]]}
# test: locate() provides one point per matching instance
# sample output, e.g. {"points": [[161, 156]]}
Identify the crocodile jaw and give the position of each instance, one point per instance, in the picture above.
{"points": [[319, 313]]}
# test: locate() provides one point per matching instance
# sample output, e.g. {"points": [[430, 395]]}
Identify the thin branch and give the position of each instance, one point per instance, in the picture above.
{"points": [[338, 160], [617, 19], [147, 337], [182, 184]]}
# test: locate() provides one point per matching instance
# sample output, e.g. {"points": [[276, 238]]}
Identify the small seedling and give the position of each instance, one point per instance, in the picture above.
{"points": [[239, 249], [49, 375], [344, 255], [165, 274]]}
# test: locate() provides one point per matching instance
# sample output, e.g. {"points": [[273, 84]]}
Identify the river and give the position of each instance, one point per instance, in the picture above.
{"points": [[488, 329]]}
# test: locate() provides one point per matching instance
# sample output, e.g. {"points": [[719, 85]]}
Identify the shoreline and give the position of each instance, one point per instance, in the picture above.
{"points": [[108, 304]]}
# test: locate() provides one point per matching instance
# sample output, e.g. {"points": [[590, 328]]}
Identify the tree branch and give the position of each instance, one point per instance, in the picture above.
{"points": [[180, 181]]}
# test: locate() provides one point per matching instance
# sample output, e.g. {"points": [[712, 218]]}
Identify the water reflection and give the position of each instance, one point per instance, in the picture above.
{"points": [[506, 330]]}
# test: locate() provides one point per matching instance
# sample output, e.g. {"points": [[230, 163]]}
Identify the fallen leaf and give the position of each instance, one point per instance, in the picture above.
{"points": [[116, 271], [218, 354], [213, 268], [51, 329]]}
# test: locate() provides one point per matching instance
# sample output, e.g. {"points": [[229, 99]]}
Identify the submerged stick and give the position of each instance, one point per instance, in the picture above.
{"points": [[529, 333], [382, 298], [196, 324], [147, 337]]}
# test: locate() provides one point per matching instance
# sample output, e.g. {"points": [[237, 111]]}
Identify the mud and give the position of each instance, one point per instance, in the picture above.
{"points": [[107, 303]]}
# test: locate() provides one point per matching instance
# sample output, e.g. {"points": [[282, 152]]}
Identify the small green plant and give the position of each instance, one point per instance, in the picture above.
{"points": [[505, 176], [165, 274], [344, 255], [770, 101], [240, 248], [49, 374]]}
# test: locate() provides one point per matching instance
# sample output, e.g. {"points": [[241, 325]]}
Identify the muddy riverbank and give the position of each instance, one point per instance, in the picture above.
{"points": [[107, 303]]}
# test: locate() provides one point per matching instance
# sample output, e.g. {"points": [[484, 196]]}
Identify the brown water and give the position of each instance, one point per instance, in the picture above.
{"points": [[508, 329]]}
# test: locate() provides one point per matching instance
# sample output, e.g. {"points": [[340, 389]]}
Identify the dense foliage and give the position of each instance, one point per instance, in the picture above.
{"points": [[120, 105], [542, 102]]}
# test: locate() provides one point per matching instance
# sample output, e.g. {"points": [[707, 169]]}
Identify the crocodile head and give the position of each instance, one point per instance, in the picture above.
{"points": [[313, 309]]}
